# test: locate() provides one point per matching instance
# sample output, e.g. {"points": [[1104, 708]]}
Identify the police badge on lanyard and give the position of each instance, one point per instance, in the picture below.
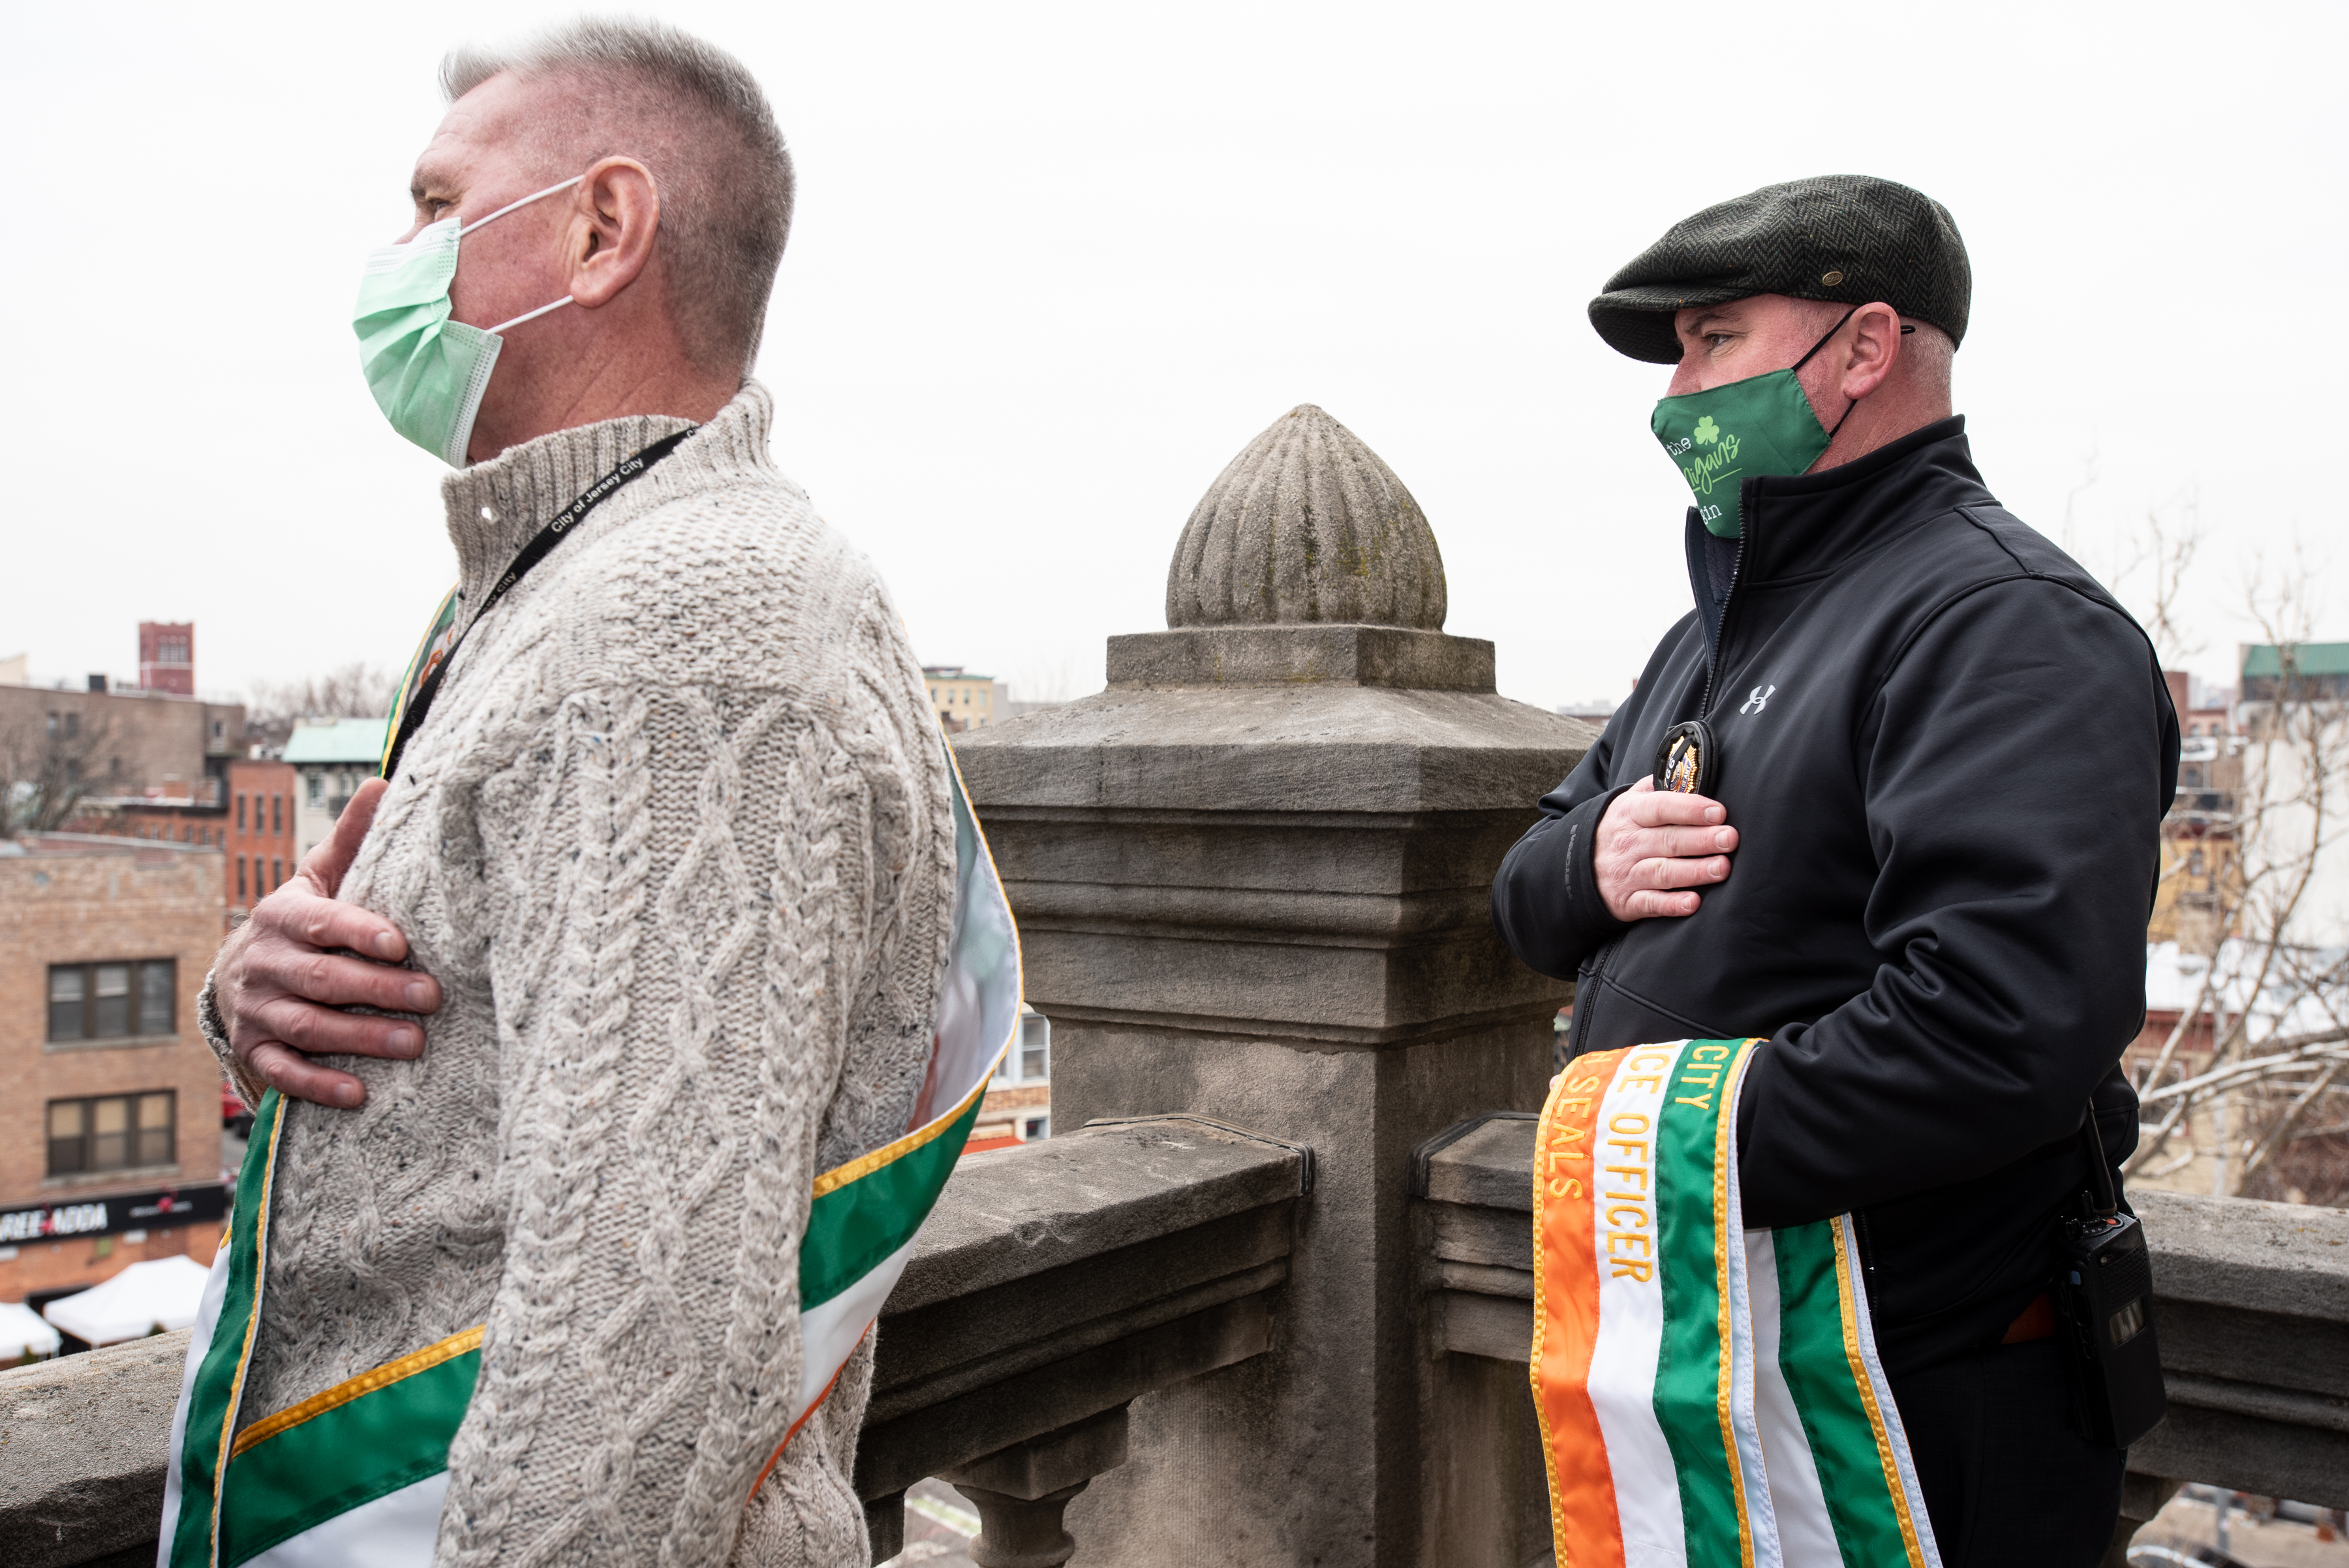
{"points": [[1686, 761]]}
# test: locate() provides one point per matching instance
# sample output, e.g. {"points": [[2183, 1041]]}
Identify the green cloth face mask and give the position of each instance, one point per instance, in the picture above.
{"points": [[428, 373], [1723, 435]]}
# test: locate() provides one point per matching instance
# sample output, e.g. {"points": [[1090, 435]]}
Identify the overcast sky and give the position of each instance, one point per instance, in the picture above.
{"points": [[1053, 265]]}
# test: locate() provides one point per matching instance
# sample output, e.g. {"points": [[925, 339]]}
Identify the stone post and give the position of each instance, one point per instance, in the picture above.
{"points": [[1251, 879]]}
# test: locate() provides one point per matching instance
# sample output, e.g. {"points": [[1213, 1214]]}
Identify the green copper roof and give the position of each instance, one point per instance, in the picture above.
{"points": [[2308, 658], [337, 741]]}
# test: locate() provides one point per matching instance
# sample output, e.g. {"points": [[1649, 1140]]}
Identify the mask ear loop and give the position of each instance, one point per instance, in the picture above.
{"points": [[501, 212], [500, 329], [551, 190], [1905, 330]]}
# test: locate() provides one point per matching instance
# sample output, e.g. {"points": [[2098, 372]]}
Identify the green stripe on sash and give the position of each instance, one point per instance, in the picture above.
{"points": [[380, 1441], [212, 1401], [852, 1228], [1818, 1367], [1688, 1367]]}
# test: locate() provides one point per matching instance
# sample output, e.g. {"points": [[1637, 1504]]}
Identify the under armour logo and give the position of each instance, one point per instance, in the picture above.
{"points": [[1759, 700]]}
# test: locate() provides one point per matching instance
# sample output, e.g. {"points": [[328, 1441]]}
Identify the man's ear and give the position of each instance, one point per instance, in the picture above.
{"points": [[617, 211], [1875, 350]]}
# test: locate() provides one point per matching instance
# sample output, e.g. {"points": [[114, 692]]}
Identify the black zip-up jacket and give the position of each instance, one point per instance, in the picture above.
{"points": [[1947, 753]]}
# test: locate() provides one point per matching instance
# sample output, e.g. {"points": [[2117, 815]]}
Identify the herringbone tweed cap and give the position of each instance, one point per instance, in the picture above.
{"points": [[1846, 238]]}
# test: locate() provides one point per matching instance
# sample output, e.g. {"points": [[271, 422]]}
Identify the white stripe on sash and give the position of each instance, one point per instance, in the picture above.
{"points": [[1805, 1533], [394, 1531], [828, 1333], [200, 1343], [1623, 1362], [1865, 1331], [1761, 1511]]}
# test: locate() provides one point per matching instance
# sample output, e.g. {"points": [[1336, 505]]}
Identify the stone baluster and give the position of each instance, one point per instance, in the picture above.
{"points": [[1251, 879], [1022, 1492]]}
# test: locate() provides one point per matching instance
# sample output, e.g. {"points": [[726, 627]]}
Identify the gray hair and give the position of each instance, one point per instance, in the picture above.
{"points": [[696, 118]]}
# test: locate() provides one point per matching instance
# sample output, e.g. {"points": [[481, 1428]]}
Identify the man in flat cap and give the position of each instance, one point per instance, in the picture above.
{"points": [[1915, 762]]}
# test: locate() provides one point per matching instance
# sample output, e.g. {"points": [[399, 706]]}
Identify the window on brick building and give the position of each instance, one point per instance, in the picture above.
{"points": [[1030, 1060], [113, 1132], [276, 814], [276, 874], [239, 813], [112, 1001], [240, 878]]}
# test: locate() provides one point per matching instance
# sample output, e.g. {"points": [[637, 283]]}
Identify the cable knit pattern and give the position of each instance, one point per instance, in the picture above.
{"points": [[676, 842]]}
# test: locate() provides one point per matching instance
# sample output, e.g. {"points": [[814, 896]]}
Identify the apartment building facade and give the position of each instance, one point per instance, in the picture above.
{"points": [[110, 1100], [962, 701], [127, 745], [260, 815]]}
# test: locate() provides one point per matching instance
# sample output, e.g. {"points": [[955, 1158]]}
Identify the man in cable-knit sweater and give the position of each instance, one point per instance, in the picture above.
{"points": [[662, 881]]}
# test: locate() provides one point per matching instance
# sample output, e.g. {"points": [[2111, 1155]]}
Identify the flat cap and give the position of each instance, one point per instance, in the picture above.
{"points": [[1846, 238]]}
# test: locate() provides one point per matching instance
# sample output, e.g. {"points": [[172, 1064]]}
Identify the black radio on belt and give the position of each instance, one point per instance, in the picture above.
{"points": [[2104, 1298]]}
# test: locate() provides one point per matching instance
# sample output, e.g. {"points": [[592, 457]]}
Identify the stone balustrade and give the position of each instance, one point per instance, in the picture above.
{"points": [[1055, 1283], [2251, 1303]]}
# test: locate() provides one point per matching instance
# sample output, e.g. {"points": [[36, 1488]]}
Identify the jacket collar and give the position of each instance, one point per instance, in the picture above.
{"points": [[1803, 524], [495, 508]]}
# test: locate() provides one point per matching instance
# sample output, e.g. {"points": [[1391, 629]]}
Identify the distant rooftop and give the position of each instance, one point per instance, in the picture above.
{"points": [[88, 843], [2307, 658], [336, 741]]}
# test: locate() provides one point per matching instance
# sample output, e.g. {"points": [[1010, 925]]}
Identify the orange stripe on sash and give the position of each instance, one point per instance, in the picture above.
{"points": [[769, 1467], [1583, 1521]]}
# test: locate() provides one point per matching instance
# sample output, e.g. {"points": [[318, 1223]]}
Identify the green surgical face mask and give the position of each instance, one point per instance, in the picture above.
{"points": [[428, 373], [1726, 435]]}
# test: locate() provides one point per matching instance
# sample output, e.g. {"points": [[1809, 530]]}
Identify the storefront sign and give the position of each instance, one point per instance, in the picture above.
{"points": [[114, 1213]]}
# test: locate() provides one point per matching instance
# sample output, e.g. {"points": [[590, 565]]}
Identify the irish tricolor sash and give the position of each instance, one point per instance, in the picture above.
{"points": [[1709, 1396], [357, 1473]]}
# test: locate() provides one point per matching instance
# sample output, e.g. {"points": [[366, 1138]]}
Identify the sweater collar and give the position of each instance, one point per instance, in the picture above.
{"points": [[495, 508]]}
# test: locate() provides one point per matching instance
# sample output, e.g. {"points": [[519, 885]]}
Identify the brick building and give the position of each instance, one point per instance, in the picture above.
{"points": [[110, 1100], [134, 745], [962, 701], [252, 822], [167, 657], [1017, 1104], [260, 818]]}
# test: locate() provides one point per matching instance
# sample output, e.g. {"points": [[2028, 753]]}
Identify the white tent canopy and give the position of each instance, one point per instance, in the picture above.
{"points": [[142, 1298], [23, 1332]]}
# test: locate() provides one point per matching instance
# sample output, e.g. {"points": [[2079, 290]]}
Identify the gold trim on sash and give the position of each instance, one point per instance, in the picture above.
{"points": [[1728, 1231], [226, 1452], [350, 1388], [1847, 1280], [865, 1165]]}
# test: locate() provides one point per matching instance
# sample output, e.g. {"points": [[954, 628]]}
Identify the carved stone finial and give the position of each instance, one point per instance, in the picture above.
{"points": [[1307, 526]]}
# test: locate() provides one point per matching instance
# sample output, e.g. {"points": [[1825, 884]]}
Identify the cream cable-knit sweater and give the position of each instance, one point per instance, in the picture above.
{"points": [[676, 842]]}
